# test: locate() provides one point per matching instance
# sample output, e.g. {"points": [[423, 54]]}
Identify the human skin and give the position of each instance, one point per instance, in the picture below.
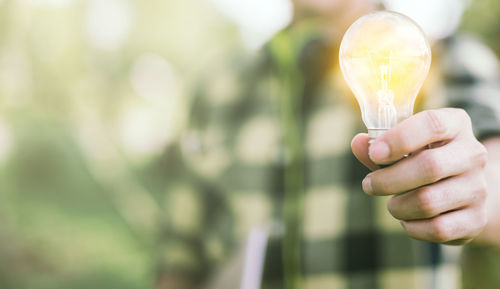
{"points": [[336, 16], [490, 236], [439, 190]]}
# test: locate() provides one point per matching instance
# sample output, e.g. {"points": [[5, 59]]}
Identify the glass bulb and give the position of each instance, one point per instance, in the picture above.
{"points": [[385, 58]]}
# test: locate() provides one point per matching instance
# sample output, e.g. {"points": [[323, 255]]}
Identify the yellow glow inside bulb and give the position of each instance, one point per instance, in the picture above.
{"points": [[385, 58]]}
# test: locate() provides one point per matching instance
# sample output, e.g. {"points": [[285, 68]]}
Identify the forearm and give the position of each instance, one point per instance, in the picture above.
{"points": [[490, 234]]}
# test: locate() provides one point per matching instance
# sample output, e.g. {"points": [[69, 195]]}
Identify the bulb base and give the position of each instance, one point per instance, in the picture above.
{"points": [[375, 133]]}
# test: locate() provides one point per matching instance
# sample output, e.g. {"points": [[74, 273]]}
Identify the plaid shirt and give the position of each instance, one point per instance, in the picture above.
{"points": [[268, 146]]}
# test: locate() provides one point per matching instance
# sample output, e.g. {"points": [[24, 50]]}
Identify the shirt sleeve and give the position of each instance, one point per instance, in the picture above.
{"points": [[471, 74]]}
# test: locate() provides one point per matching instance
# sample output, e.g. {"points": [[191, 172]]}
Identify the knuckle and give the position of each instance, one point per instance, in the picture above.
{"points": [[463, 115], [478, 222], [482, 217], [426, 202], [436, 124], [482, 190], [440, 230], [392, 207], [481, 155], [432, 167]]}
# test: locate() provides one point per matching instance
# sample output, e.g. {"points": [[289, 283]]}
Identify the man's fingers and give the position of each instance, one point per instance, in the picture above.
{"points": [[456, 227], [426, 167], [423, 128], [359, 146], [444, 196]]}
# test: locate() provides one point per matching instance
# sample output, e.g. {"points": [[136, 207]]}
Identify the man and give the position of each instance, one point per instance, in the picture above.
{"points": [[268, 147]]}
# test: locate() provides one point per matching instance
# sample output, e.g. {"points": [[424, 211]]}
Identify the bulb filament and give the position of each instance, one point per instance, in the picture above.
{"points": [[386, 109]]}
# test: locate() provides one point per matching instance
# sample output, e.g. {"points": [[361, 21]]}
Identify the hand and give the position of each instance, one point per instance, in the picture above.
{"points": [[439, 190]]}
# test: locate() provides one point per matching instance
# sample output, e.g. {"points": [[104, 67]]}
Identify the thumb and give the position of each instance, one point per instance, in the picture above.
{"points": [[359, 147]]}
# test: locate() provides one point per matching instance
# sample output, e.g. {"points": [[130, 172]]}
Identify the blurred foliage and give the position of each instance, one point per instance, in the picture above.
{"points": [[83, 127], [82, 131], [482, 20]]}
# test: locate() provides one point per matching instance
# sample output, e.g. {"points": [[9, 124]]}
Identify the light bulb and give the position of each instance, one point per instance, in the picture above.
{"points": [[385, 58]]}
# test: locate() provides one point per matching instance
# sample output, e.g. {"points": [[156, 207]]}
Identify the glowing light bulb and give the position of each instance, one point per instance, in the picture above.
{"points": [[385, 58]]}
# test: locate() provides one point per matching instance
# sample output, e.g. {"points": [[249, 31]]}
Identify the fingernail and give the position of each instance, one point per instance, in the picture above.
{"points": [[367, 185], [379, 150]]}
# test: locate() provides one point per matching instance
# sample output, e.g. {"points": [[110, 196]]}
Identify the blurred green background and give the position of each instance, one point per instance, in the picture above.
{"points": [[91, 94]]}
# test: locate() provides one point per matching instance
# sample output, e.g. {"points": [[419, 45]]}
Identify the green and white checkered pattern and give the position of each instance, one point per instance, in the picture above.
{"points": [[227, 176]]}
